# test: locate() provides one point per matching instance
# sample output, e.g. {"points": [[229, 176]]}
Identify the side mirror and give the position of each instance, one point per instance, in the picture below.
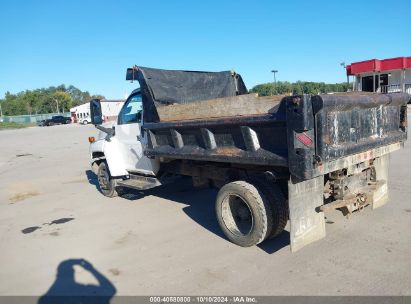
{"points": [[132, 73], [95, 112]]}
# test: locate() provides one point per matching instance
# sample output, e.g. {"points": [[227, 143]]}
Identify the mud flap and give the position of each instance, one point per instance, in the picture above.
{"points": [[380, 196], [307, 225]]}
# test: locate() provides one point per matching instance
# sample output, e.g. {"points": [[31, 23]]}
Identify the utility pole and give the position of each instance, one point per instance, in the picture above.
{"points": [[274, 71], [348, 77]]}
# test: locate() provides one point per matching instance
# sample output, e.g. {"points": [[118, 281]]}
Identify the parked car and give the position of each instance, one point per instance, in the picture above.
{"points": [[55, 120]]}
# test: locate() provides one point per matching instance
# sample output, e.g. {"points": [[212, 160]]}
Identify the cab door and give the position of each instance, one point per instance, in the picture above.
{"points": [[131, 142]]}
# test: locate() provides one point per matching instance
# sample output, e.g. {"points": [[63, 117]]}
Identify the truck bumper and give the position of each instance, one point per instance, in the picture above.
{"points": [[306, 199]]}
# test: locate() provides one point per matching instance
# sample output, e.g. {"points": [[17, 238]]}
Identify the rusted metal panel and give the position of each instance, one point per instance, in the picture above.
{"points": [[341, 125], [349, 161], [311, 135], [250, 140], [222, 154]]}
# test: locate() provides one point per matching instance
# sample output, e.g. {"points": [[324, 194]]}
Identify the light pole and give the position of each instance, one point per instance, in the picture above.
{"points": [[273, 71]]}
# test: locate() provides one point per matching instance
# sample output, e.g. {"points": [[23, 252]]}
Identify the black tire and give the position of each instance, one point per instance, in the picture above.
{"points": [[279, 205], [51, 124], [107, 184], [85, 122], [68, 122], [244, 213]]}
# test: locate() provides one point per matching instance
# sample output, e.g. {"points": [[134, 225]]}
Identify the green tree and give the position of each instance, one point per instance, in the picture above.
{"points": [[44, 100], [63, 100], [298, 88]]}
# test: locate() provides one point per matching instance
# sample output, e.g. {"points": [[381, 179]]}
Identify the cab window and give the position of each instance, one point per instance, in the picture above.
{"points": [[131, 111]]}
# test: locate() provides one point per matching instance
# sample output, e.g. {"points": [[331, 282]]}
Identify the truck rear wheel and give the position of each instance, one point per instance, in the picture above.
{"points": [[106, 183], [244, 213], [278, 203]]}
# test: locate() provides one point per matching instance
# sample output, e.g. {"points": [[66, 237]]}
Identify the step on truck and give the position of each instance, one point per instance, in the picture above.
{"points": [[274, 159]]}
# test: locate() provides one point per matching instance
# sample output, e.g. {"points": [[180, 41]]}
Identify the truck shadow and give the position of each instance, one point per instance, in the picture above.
{"points": [[65, 289], [273, 245], [199, 206], [199, 202], [92, 178]]}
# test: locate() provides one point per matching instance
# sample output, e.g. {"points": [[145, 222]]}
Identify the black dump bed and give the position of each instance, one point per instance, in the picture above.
{"points": [[164, 87], [309, 135]]}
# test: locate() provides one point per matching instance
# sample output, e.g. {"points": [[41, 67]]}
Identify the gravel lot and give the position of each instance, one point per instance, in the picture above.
{"points": [[167, 242]]}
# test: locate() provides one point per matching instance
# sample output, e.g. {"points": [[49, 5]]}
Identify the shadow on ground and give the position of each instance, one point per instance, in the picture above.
{"points": [[92, 178], [65, 290], [199, 206], [273, 245]]}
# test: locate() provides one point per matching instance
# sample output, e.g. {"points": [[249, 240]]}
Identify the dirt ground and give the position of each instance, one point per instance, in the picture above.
{"points": [[57, 232]]}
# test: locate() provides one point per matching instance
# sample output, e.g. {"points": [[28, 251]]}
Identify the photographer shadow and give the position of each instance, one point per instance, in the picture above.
{"points": [[65, 290]]}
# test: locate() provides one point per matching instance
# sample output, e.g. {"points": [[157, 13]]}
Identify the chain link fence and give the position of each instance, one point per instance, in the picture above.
{"points": [[31, 118]]}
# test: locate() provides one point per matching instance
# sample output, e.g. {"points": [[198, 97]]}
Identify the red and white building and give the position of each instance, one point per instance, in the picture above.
{"points": [[384, 76], [109, 109]]}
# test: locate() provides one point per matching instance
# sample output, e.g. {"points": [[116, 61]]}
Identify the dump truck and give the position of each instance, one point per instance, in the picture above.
{"points": [[273, 159]]}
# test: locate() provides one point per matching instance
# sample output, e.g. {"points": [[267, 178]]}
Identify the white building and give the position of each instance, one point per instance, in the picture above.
{"points": [[384, 76], [109, 108]]}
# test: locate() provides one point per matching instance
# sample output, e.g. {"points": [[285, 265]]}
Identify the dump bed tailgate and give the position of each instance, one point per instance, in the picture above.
{"points": [[329, 132]]}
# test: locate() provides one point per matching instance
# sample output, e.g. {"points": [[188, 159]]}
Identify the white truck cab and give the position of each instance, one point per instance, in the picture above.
{"points": [[118, 152]]}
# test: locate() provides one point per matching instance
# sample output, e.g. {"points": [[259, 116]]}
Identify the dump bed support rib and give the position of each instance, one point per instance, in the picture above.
{"points": [[256, 140]]}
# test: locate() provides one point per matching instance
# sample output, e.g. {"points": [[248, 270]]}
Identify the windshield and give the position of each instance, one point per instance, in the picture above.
{"points": [[131, 111]]}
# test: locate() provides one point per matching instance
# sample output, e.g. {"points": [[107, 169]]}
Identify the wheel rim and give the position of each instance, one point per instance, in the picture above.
{"points": [[104, 179], [237, 215]]}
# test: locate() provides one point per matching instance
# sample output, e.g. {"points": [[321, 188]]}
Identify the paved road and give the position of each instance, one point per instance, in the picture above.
{"points": [[167, 241]]}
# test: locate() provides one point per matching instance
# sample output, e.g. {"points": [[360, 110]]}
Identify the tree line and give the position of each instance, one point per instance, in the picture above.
{"points": [[46, 100], [299, 87], [62, 98]]}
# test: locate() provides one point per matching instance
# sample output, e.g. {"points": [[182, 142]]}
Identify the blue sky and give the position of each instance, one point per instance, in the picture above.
{"points": [[91, 43]]}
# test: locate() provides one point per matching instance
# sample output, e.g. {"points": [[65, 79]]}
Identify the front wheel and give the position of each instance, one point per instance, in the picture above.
{"points": [[106, 183]]}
